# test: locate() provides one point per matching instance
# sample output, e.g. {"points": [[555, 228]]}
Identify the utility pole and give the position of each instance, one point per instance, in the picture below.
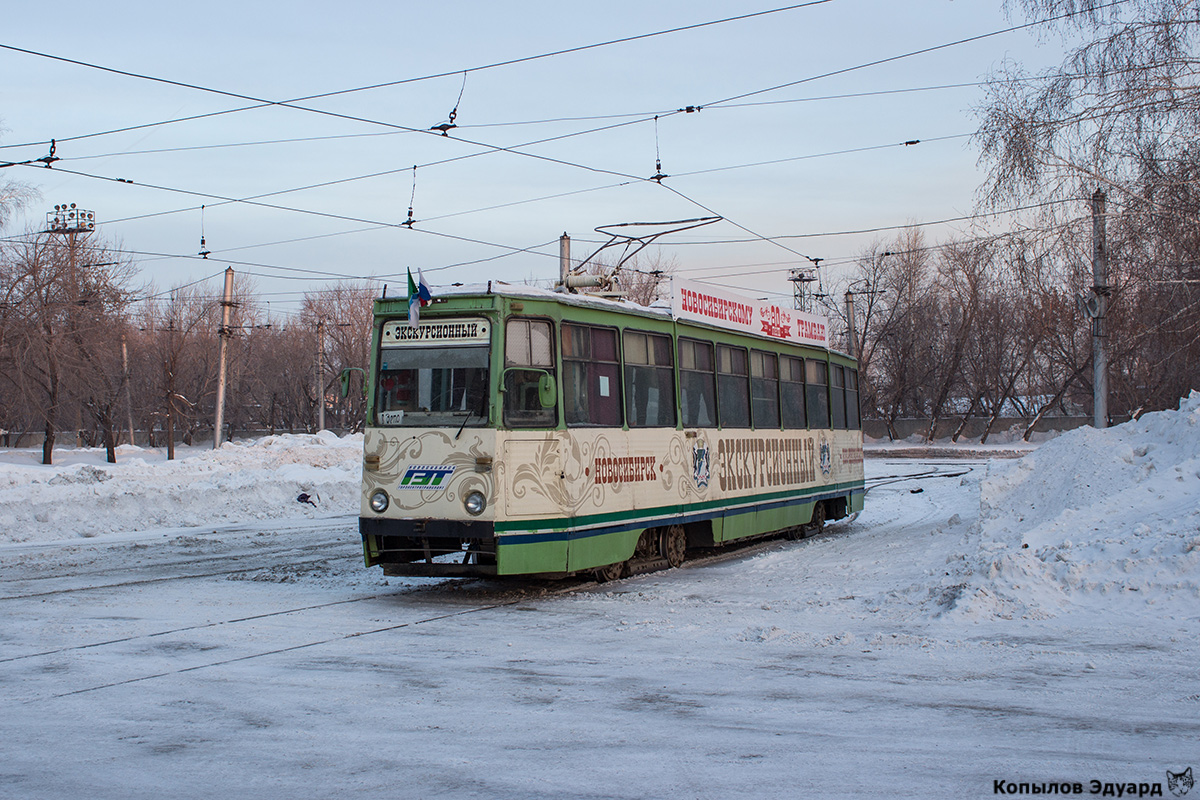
{"points": [[1097, 309], [851, 343], [320, 374], [169, 367], [564, 260], [223, 335], [128, 394]]}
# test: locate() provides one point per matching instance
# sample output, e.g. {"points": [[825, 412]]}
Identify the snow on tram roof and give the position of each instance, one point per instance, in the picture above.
{"points": [[661, 308], [788, 325]]}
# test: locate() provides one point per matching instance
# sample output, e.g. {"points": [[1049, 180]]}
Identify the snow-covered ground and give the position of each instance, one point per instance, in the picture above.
{"points": [[188, 629], [82, 496]]}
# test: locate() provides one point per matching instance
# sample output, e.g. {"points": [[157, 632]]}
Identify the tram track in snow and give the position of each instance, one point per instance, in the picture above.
{"points": [[411, 623], [177, 565], [258, 554], [937, 470], [93, 587], [543, 590]]}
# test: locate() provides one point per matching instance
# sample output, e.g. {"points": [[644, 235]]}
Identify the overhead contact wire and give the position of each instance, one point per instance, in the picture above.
{"points": [[262, 103]]}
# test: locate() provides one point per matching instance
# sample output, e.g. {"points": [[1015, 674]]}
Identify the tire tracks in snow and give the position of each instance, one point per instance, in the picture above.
{"points": [[179, 577], [701, 560]]}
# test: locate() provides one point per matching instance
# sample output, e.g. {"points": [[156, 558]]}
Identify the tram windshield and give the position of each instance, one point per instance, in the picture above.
{"points": [[433, 387]]}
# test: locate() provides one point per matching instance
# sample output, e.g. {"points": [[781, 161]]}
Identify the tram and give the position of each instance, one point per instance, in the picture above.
{"points": [[516, 431]]}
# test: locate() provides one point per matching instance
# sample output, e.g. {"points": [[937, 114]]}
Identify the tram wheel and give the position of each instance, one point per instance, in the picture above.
{"points": [[672, 544], [817, 524], [611, 572]]}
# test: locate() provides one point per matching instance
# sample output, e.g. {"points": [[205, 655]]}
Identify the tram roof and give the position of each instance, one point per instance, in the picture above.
{"points": [[660, 309]]}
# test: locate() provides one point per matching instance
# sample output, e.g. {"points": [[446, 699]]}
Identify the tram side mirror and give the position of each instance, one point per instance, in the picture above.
{"points": [[344, 379], [547, 391]]}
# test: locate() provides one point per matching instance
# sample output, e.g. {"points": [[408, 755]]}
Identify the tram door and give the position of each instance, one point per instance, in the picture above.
{"points": [[534, 484]]}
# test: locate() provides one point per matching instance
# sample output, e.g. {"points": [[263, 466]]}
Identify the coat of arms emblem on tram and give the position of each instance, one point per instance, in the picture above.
{"points": [[700, 464]]}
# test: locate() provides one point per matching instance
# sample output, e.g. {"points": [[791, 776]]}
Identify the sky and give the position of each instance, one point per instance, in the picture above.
{"points": [[299, 198]]}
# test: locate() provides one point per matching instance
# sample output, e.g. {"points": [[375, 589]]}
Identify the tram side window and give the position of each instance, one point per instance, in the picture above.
{"points": [[649, 381], [837, 396], [853, 418], [791, 374], [591, 376], [697, 384], [733, 388], [764, 389], [528, 359], [817, 393]]}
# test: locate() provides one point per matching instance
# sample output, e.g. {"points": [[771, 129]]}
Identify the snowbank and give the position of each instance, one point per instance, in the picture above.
{"points": [[1106, 519], [82, 496]]}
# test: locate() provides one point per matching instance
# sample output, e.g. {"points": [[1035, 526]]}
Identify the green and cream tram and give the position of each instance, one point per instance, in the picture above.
{"points": [[514, 431]]}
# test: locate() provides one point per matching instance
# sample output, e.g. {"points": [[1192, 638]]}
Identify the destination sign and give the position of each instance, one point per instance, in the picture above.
{"points": [[703, 303], [399, 333]]}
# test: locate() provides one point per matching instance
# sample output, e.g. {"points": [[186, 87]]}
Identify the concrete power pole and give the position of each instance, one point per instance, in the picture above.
{"points": [[223, 334], [320, 374], [128, 393], [564, 260], [1097, 309], [851, 343]]}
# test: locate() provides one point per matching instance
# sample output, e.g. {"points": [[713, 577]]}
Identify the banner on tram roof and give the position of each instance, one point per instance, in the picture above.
{"points": [[703, 303]]}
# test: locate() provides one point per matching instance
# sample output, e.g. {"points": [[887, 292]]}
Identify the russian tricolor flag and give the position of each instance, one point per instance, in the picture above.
{"points": [[418, 296]]}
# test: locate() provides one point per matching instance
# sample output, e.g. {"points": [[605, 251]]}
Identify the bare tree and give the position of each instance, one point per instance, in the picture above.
{"points": [[345, 313], [1130, 92], [645, 280], [63, 296], [642, 279], [963, 276], [181, 337], [897, 355], [1122, 113], [279, 375], [14, 195]]}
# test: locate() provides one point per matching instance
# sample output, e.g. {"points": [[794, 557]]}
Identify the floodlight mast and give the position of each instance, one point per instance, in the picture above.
{"points": [[71, 222], [800, 278]]}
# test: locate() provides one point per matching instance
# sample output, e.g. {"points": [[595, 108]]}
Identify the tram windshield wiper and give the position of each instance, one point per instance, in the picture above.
{"points": [[471, 413], [466, 417]]}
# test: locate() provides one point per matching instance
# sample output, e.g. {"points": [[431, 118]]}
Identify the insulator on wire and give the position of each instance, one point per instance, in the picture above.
{"points": [[408, 223], [204, 251]]}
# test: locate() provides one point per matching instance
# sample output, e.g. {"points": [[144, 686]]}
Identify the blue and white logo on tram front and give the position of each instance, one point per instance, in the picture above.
{"points": [[425, 477]]}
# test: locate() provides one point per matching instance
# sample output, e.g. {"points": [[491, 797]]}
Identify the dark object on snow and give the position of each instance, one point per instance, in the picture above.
{"points": [[915, 491], [304, 497]]}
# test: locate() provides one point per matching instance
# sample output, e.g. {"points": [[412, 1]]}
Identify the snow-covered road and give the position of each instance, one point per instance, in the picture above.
{"points": [[910, 652]]}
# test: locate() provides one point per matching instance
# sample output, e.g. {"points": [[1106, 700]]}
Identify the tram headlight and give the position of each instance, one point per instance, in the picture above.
{"points": [[475, 503], [379, 501]]}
